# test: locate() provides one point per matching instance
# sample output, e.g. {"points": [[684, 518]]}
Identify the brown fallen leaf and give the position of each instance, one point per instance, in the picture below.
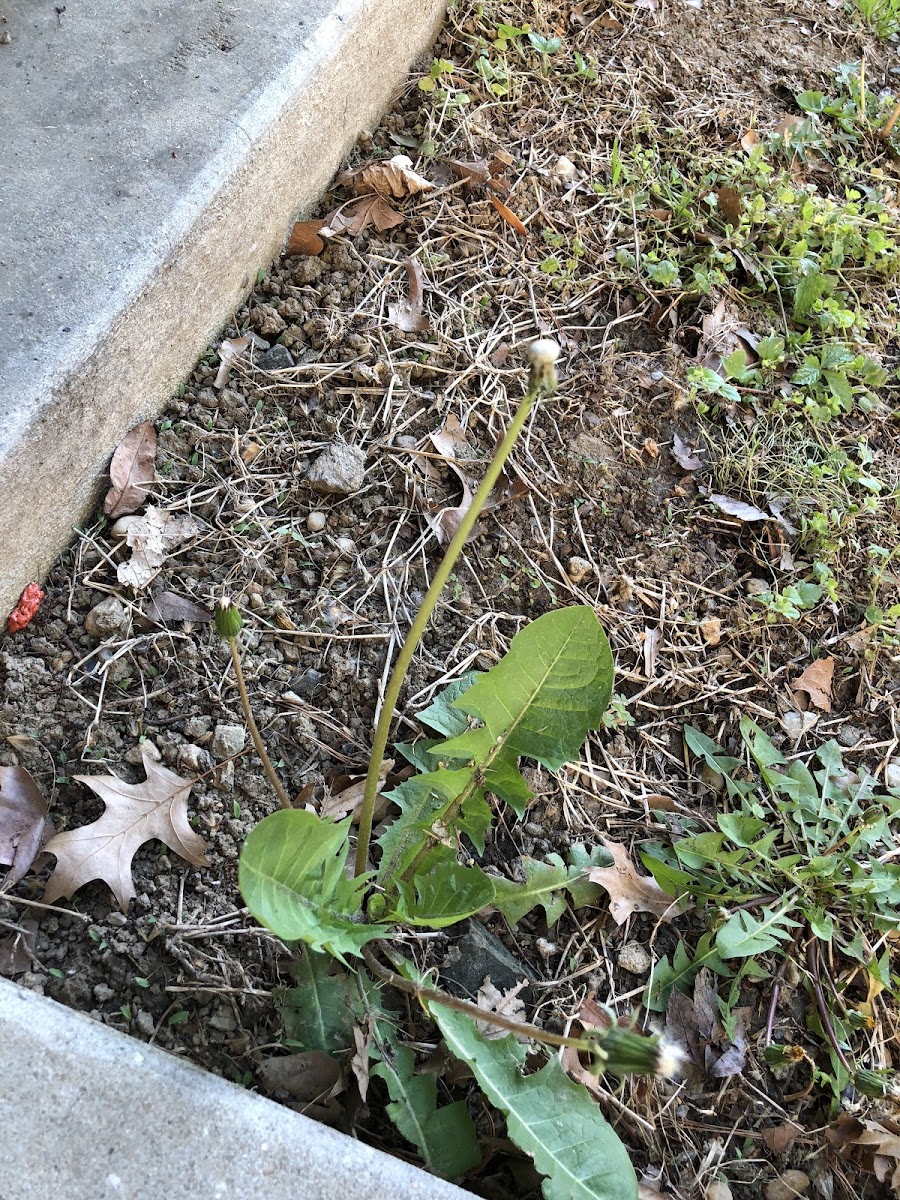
{"points": [[17, 950], [728, 202], [135, 813], [450, 442], [630, 892], [737, 508], [132, 470], [685, 457], [780, 1138], [354, 218], [393, 177], [305, 240], [816, 681], [23, 822], [750, 139], [786, 126], [471, 172], [409, 315], [230, 351], [509, 216], [151, 537], [169, 606], [694, 1023], [337, 805], [309, 1075]]}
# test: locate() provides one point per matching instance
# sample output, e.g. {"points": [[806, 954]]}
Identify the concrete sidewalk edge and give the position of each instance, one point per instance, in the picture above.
{"points": [[92, 1114], [279, 160]]}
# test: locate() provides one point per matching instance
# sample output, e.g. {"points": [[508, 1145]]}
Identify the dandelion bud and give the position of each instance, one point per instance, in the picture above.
{"points": [[227, 619], [623, 1051], [875, 1084], [543, 355]]}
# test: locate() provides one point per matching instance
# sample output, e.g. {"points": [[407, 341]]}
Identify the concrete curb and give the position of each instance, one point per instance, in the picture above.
{"points": [[115, 271], [91, 1114]]}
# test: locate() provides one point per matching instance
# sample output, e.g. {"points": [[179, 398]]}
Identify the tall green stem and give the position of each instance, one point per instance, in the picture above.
{"points": [[540, 379]]}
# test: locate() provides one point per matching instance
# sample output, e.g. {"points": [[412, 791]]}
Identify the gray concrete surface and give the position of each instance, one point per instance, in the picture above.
{"points": [[87, 1113], [153, 157]]}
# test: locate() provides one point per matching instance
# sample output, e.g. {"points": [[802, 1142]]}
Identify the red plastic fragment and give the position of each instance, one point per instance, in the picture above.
{"points": [[29, 603]]}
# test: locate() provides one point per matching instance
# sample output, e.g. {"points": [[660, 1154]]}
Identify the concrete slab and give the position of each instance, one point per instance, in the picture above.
{"points": [[153, 157], [90, 1114]]}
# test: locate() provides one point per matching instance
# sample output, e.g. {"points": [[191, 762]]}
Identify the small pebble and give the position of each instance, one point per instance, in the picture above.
{"points": [[578, 568], [565, 168], [228, 740], [195, 758], [315, 522], [711, 628], [634, 959], [223, 1019], [144, 1023], [344, 545], [788, 1186], [892, 775], [757, 587], [849, 735], [103, 993], [109, 618], [717, 1191], [340, 469]]}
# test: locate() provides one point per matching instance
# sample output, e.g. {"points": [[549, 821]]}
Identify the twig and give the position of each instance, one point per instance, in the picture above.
{"points": [[254, 732]]}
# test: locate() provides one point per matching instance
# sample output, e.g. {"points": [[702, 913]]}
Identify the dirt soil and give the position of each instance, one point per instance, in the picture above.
{"points": [[594, 480]]}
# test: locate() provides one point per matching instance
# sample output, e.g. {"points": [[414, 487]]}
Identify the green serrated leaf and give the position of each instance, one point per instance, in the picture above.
{"points": [[580, 888], [421, 801], [443, 892], [548, 691], [544, 886], [445, 1137], [810, 288], [291, 875], [548, 1116], [745, 935], [442, 714], [318, 1012]]}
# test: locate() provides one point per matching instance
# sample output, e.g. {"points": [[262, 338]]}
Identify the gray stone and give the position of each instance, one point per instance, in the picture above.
{"points": [[275, 359], [132, 1121], [167, 147], [632, 957], [892, 775], [478, 953], [109, 618], [228, 740], [306, 683], [849, 735], [340, 469]]}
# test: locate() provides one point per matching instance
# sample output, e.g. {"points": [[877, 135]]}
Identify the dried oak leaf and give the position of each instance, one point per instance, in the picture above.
{"points": [[816, 681], [409, 315], [348, 801], [151, 537], [23, 822], [685, 457], [628, 891], [506, 1003], [169, 606], [450, 442], [354, 218], [131, 471], [135, 813], [389, 177], [309, 1075]]}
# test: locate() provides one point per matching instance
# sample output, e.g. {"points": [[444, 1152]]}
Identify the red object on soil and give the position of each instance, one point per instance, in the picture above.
{"points": [[29, 603]]}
